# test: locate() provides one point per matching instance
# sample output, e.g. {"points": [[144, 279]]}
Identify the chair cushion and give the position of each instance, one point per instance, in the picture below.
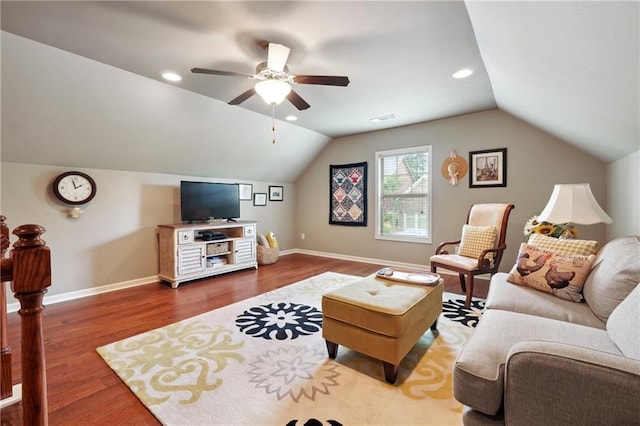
{"points": [[556, 245], [476, 239], [516, 298], [478, 375], [623, 325], [455, 260], [615, 274], [559, 274]]}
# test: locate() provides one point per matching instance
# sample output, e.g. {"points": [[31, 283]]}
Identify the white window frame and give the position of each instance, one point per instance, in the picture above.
{"points": [[412, 238]]}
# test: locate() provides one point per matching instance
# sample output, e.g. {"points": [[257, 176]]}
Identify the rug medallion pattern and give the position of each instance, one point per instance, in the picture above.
{"points": [[263, 361]]}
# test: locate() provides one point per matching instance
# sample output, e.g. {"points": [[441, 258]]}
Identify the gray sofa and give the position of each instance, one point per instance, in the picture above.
{"points": [[537, 359]]}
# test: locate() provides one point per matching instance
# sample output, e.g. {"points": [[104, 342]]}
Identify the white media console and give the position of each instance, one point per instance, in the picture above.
{"points": [[189, 252]]}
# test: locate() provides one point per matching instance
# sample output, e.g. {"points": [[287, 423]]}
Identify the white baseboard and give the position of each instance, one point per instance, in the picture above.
{"points": [[63, 297], [72, 295], [14, 398], [364, 259]]}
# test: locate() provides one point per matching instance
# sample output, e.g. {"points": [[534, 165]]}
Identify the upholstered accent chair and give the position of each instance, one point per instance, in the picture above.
{"points": [[480, 247]]}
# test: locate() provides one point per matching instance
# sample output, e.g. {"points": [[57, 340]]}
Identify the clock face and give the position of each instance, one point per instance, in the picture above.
{"points": [[74, 188]]}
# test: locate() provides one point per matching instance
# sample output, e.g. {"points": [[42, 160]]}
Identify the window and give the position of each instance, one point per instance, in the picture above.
{"points": [[403, 194]]}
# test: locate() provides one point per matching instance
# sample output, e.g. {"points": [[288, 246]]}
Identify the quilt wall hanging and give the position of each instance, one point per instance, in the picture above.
{"points": [[348, 194]]}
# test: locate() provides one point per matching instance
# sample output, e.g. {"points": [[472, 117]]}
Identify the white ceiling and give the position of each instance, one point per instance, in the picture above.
{"points": [[570, 68]]}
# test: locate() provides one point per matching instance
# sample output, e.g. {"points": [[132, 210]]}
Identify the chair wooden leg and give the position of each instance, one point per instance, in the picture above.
{"points": [[462, 282], [469, 291]]}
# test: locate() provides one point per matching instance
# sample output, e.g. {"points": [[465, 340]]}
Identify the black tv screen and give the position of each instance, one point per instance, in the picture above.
{"points": [[202, 201]]}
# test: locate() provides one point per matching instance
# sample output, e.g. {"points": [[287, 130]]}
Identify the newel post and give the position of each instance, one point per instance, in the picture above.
{"points": [[31, 260]]}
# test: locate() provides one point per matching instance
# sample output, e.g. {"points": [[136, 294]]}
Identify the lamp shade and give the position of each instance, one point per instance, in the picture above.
{"points": [[573, 203], [273, 91]]}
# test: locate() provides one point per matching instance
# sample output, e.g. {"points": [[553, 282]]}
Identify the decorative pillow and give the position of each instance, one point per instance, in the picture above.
{"points": [[262, 240], [476, 239], [562, 275], [272, 240], [581, 247]]}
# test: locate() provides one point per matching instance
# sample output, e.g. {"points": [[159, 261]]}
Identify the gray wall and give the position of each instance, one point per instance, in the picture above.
{"points": [[114, 240], [535, 162], [623, 196]]}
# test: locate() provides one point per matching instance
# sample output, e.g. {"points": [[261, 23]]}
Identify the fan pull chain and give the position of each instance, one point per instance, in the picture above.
{"points": [[273, 121]]}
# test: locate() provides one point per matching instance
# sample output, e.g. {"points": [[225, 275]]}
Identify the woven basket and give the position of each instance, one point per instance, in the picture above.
{"points": [[267, 255]]}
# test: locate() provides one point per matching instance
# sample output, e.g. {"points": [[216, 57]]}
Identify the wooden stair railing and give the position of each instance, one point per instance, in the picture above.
{"points": [[29, 271], [6, 389]]}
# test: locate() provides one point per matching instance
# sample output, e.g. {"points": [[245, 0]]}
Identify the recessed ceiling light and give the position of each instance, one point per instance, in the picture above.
{"points": [[291, 118], [171, 76], [383, 118], [463, 73]]}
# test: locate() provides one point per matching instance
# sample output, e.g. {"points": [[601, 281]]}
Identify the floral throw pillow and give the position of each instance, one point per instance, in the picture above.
{"points": [[562, 275]]}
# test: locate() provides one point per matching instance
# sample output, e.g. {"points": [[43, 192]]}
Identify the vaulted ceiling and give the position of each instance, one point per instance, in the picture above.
{"points": [[569, 68]]}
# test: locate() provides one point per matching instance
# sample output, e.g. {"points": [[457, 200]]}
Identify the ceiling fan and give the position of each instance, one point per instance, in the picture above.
{"points": [[275, 79]]}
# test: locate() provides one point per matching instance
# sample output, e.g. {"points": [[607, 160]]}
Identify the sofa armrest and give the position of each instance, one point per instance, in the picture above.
{"points": [[557, 383]]}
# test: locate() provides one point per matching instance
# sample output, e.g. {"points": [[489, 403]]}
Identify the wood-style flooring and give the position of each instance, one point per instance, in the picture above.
{"points": [[82, 390]]}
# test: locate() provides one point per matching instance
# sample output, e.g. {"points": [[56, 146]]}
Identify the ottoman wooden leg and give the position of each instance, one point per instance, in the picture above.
{"points": [[332, 349], [390, 372], [434, 326]]}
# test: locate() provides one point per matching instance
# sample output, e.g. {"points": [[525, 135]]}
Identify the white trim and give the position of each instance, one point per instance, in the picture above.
{"points": [[64, 297], [16, 396], [154, 279], [364, 259]]}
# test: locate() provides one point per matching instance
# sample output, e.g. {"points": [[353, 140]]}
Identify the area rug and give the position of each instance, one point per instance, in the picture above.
{"points": [[263, 361]]}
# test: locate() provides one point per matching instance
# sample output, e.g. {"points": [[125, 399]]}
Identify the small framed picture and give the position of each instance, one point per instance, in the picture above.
{"points": [[246, 191], [260, 199], [276, 193], [488, 168]]}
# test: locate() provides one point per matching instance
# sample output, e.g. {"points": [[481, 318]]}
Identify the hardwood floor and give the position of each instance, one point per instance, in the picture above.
{"points": [[83, 390]]}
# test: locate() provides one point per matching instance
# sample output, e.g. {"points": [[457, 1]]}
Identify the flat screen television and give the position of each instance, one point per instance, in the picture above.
{"points": [[202, 201]]}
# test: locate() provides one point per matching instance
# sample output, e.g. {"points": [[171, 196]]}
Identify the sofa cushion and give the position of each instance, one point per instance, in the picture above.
{"points": [[478, 375], [476, 239], [559, 274], [563, 246], [615, 273], [623, 325], [511, 297]]}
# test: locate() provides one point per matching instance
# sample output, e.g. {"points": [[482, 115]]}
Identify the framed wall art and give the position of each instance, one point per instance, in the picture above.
{"points": [[246, 191], [488, 168], [260, 199], [276, 193], [348, 194]]}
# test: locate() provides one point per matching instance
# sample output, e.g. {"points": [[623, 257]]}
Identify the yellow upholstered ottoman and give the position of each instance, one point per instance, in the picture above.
{"points": [[380, 318]]}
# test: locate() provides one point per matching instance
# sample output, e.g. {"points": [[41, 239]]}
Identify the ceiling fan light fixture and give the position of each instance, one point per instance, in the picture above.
{"points": [[273, 91]]}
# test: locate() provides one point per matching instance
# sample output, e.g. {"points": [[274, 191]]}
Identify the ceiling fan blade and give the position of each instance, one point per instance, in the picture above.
{"points": [[297, 101], [327, 80], [277, 55], [216, 72], [243, 97]]}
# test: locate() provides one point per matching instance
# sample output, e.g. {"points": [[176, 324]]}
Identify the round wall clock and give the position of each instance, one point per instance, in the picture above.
{"points": [[74, 188]]}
